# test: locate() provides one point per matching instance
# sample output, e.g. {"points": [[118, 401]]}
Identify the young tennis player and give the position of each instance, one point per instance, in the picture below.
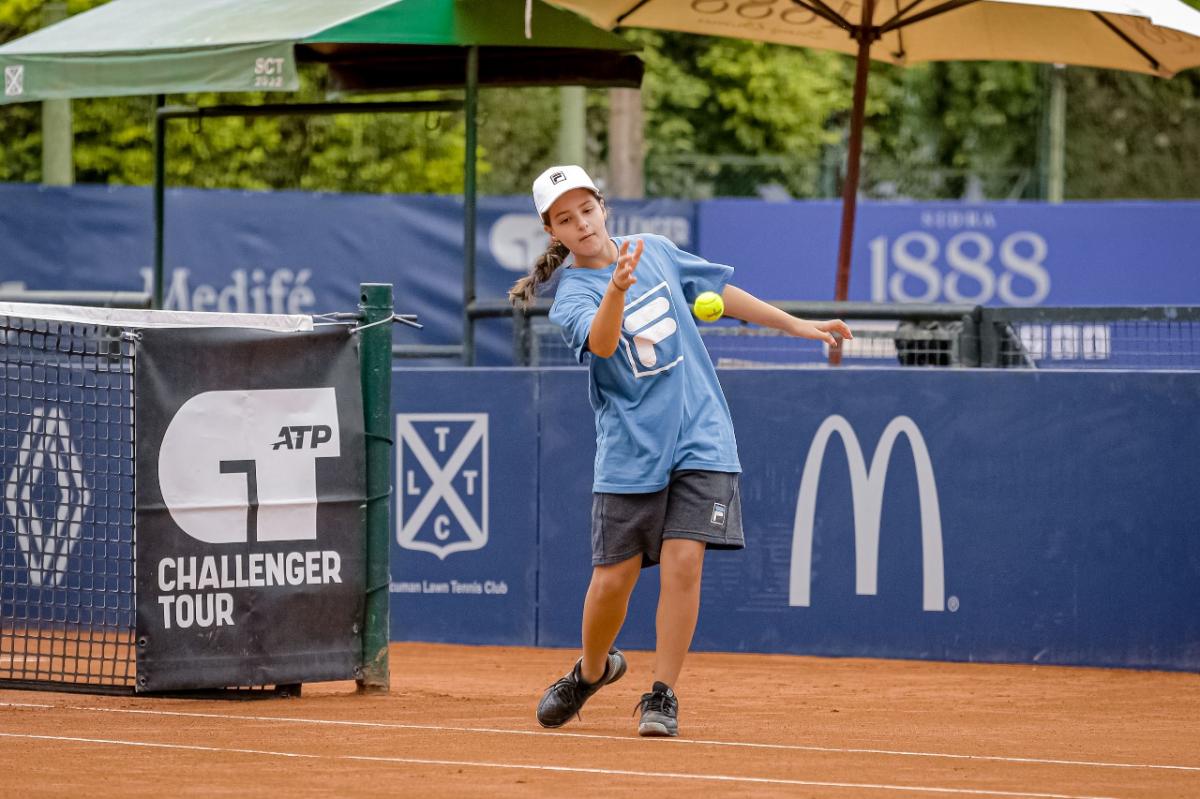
{"points": [[666, 470]]}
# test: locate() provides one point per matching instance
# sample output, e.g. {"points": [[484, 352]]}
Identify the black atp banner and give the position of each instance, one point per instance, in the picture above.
{"points": [[249, 523]]}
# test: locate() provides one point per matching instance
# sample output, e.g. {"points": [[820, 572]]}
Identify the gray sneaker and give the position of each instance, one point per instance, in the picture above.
{"points": [[565, 697], [660, 711]]}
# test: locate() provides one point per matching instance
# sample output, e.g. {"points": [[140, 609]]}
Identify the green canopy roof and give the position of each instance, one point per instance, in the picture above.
{"points": [[132, 47]]}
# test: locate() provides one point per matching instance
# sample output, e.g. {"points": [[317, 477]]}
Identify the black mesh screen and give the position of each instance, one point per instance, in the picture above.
{"points": [[66, 511]]}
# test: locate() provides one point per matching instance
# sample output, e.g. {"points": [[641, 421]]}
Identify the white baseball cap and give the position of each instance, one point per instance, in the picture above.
{"points": [[557, 181]]}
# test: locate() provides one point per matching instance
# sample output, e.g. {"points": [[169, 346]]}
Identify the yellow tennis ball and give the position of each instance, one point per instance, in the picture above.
{"points": [[708, 307]]}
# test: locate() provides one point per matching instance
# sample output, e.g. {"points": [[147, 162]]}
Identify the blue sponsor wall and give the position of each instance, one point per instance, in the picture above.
{"points": [[464, 546], [1018, 254], [296, 252], [1059, 525]]}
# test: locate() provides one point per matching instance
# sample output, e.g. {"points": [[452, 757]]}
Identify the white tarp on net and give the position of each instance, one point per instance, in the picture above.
{"points": [[124, 317]]}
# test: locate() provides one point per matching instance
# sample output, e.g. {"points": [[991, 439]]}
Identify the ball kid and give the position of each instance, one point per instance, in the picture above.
{"points": [[666, 477]]}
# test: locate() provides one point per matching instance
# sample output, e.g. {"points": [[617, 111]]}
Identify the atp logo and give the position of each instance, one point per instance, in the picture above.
{"points": [[442, 466], [238, 466], [648, 333], [866, 487], [46, 496]]}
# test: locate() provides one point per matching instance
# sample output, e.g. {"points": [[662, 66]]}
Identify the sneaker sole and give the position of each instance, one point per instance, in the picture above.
{"points": [[622, 666], [653, 729]]}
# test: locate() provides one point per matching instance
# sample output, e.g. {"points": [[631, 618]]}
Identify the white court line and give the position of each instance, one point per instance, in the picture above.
{"points": [[22, 704], [598, 736], [572, 769], [722, 778], [146, 744]]}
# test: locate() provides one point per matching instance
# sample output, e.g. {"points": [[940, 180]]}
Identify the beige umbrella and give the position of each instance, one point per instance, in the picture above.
{"points": [[1157, 37]]}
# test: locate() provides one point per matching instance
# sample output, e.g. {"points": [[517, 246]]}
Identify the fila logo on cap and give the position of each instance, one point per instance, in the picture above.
{"points": [[557, 177]]}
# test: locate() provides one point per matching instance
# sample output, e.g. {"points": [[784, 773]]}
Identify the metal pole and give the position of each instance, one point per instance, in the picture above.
{"points": [[376, 365], [1056, 179], [469, 209], [572, 119], [58, 168], [865, 35], [160, 161]]}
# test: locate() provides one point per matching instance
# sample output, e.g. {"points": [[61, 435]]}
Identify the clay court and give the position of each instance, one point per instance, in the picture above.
{"points": [[459, 722]]}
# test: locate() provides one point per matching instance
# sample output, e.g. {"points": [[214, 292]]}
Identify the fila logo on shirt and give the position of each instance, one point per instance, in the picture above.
{"points": [[648, 333]]}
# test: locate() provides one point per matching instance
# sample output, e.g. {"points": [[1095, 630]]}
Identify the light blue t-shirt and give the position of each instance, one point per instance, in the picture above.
{"points": [[659, 407]]}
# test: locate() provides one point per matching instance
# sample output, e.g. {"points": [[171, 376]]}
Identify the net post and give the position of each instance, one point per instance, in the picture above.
{"points": [[376, 364]]}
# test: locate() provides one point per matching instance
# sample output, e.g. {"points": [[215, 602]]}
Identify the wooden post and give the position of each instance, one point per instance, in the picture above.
{"points": [[626, 156]]}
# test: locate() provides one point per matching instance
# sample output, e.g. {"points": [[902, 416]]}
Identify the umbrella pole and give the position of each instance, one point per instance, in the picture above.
{"points": [[469, 217], [160, 182], [865, 35]]}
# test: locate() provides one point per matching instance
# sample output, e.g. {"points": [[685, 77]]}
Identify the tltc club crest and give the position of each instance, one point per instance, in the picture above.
{"points": [[442, 469]]}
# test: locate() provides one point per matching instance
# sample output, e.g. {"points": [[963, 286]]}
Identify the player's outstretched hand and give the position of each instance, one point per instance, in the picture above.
{"points": [[831, 332], [626, 262]]}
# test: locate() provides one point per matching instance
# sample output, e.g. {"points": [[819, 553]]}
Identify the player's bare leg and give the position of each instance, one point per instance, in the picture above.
{"points": [[680, 567], [604, 611]]}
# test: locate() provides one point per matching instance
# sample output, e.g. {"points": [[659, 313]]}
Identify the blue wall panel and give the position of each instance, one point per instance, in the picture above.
{"points": [[1058, 504], [1067, 531], [464, 543]]}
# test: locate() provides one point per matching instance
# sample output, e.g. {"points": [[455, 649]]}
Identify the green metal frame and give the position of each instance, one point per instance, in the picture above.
{"points": [[375, 353]]}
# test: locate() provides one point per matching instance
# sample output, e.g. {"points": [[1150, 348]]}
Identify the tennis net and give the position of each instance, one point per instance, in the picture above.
{"points": [[120, 534], [66, 544]]}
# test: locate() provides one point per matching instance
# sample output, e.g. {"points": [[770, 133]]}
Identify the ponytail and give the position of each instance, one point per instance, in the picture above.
{"points": [[524, 290]]}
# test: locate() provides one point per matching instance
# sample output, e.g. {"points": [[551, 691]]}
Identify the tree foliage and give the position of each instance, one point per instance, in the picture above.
{"points": [[728, 97], [113, 139], [1132, 135], [723, 116]]}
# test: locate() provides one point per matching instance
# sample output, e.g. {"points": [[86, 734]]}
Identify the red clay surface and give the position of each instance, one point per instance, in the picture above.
{"points": [[459, 722]]}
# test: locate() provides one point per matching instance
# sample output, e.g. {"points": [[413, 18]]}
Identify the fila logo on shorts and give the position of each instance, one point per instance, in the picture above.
{"points": [[648, 332], [866, 490], [238, 466], [718, 514]]}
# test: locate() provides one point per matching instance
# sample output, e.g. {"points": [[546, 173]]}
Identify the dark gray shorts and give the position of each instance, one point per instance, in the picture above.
{"points": [[702, 506]]}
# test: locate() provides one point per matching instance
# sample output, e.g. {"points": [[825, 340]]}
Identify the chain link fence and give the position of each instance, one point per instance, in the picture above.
{"points": [[923, 335]]}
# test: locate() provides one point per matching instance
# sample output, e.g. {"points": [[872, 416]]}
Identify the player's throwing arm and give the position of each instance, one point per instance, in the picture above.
{"points": [[606, 327]]}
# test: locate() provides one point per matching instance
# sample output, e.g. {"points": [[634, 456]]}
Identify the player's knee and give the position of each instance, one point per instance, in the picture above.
{"points": [[610, 582], [683, 568]]}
